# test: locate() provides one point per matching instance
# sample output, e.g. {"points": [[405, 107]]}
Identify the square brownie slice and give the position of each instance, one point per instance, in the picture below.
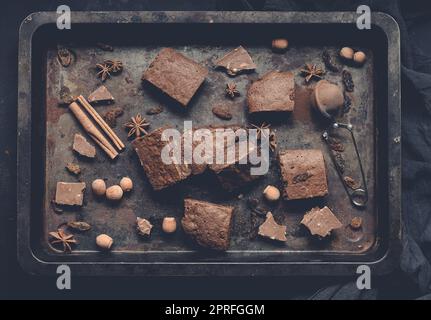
{"points": [[303, 173], [209, 224], [176, 75], [275, 91], [161, 175]]}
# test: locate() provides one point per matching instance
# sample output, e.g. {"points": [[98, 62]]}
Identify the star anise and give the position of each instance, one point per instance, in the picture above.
{"points": [[60, 236], [114, 65], [231, 90], [137, 126], [260, 129], [312, 71], [104, 72]]}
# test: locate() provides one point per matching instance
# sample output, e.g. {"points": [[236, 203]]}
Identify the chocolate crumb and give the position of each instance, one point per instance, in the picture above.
{"points": [[155, 110], [111, 116], [348, 81], [350, 182], [340, 161], [73, 168], [222, 112], [329, 63]]}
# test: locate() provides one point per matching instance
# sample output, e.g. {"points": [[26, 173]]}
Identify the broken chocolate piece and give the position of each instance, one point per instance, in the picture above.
{"points": [[176, 75], [236, 61], [321, 221], [83, 147], [73, 168], [222, 111], [271, 229], [208, 223], [101, 94], [66, 96], [70, 193], [154, 111], [143, 226], [149, 149], [111, 116], [275, 91], [303, 163]]}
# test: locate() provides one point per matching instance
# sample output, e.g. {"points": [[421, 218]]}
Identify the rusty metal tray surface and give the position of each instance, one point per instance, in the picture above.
{"points": [[45, 133]]}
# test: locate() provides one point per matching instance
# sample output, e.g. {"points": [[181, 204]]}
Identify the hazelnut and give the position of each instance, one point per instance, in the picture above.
{"points": [[169, 225], [104, 241], [359, 57], [327, 97], [99, 187], [346, 53], [126, 184], [114, 192], [271, 193], [280, 44]]}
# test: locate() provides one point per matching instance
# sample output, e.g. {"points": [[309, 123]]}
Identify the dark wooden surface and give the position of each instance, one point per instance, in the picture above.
{"points": [[16, 284]]}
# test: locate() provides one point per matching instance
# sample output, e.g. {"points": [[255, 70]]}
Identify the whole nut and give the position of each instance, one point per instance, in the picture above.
{"points": [[359, 57], [271, 193], [104, 241], [114, 193], [169, 225], [126, 184], [99, 187], [280, 44], [346, 53]]}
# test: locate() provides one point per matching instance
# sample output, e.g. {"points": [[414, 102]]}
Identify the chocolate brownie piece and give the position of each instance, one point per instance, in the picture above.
{"points": [[275, 91], [303, 173], [176, 75], [321, 221], [149, 149], [207, 223]]}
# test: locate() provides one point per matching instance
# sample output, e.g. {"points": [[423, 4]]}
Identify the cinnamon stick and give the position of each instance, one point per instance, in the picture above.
{"points": [[99, 120], [92, 130]]}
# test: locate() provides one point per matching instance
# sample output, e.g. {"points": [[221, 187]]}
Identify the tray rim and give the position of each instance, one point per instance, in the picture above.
{"points": [[34, 265]]}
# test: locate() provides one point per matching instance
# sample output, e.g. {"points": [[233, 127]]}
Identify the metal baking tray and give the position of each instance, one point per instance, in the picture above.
{"points": [[45, 133]]}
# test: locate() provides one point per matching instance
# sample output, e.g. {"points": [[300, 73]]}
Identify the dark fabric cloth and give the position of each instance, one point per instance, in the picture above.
{"points": [[416, 141]]}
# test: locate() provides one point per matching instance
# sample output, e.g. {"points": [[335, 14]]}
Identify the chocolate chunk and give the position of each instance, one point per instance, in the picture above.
{"points": [[271, 229], [303, 163], [321, 221], [70, 193], [275, 91], [207, 223], [149, 150], [176, 75], [111, 116], [73, 168], [155, 110], [236, 61], [101, 94], [222, 111], [66, 96], [143, 226], [83, 147]]}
